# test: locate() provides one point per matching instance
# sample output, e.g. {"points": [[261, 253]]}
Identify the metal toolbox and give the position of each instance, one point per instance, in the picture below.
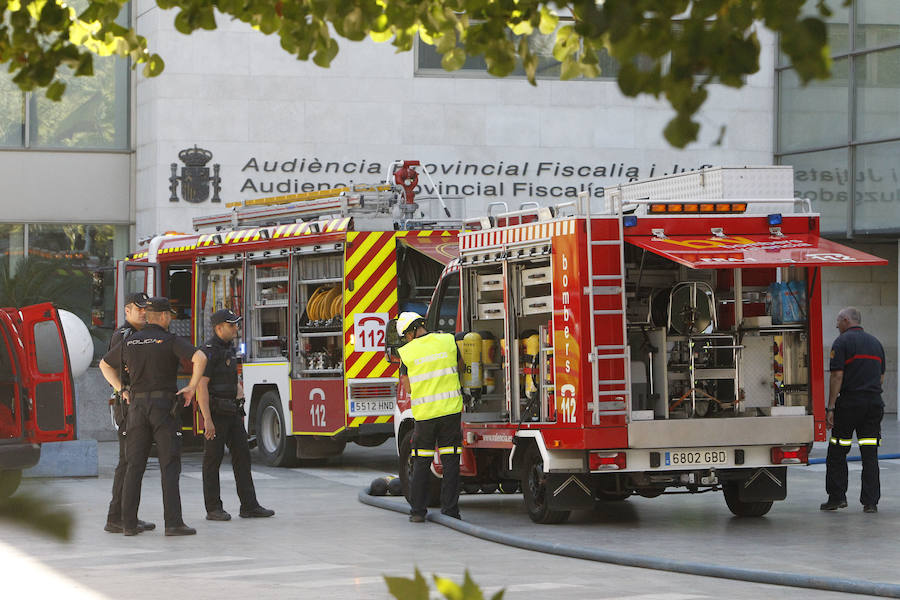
{"points": [[538, 276], [490, 283]]}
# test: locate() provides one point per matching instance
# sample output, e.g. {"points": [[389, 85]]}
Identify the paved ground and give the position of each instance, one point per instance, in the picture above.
{"points": [[324, 543]]}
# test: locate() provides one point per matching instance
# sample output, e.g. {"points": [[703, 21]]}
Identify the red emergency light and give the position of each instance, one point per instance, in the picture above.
{"points": [[782, 455], [606, 461]]}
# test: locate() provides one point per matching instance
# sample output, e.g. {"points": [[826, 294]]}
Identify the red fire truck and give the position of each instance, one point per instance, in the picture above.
{"points": [[671, 340], [37, 395], [316, 277]]}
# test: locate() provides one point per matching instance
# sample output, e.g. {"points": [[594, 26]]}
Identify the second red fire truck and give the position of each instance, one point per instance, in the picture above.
{"points": [[672, 341]]}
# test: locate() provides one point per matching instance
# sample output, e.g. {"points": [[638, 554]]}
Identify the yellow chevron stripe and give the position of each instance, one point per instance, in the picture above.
{"points": [[354, 369], [424, 234], [403, 233], [374, 288], [357, 421], [381, 369], [360, 251], [383, 419]]}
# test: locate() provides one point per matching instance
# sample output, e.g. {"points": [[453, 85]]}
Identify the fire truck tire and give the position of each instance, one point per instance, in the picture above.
{"points": [[731, 490], [534, 491], [276, 448], [9, 482], [405, 472], [509, 486]]}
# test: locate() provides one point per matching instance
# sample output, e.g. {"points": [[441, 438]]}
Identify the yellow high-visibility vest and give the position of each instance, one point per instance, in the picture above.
{"points": [[433, 375]]}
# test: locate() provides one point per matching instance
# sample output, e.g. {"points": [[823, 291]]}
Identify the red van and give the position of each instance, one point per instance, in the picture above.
{"points": [[37, 394]]}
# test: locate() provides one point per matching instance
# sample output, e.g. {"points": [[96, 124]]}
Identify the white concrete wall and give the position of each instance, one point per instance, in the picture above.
{"points": [[236, 93], [873, 290]]}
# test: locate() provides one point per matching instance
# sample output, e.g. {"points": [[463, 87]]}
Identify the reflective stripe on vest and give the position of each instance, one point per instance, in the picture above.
{"points": [[433, 377]]}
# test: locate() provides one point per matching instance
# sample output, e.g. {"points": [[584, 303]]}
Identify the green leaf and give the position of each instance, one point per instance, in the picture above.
{"points": [[454, 60], [681, 130], [448, 588], [549, 21], [36, 513], [56, 90], [408, 589], [154, 66]]}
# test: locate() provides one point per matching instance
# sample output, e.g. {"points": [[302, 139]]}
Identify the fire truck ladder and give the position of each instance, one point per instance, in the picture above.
{"points": [[370, 200], [606, 301]]}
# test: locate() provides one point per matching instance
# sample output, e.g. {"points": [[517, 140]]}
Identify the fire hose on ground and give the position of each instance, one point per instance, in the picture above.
{"points": [[799, 580]]}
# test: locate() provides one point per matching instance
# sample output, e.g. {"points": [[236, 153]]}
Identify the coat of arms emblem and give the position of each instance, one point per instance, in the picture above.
{"points": [[195, 179]]}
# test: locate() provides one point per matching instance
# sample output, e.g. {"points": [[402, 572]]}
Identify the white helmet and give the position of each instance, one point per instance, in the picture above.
{"points": [[406, 320]]}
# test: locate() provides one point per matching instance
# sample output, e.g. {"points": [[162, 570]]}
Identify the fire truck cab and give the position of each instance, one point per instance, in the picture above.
{"points": [[670, 342], [315, 276]]}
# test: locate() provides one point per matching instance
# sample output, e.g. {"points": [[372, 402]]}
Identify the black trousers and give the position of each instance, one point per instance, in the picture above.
{"points": [[229, 432], [445, 433], [115, 505], [150, 420], [861, 414]]}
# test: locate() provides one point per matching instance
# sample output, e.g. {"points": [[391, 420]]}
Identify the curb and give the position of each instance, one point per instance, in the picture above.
{"points": [[77, 458]]}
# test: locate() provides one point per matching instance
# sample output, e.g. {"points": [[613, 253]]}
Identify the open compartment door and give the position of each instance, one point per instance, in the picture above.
{"points": [[754, 251], [134, 277], [51, 390]]}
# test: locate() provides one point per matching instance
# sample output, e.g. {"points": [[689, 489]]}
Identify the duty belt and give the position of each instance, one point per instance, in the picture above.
{"points": [[150, 395]]}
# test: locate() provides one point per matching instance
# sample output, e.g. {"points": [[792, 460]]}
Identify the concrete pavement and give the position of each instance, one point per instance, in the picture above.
{"points": [[324, 543]]}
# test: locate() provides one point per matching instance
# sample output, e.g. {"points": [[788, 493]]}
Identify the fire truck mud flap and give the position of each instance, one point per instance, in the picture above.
{"points": [[569, 491], [761, 485]]}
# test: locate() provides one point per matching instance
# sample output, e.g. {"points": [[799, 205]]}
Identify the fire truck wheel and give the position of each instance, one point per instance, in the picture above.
{"points": [[9, 482], [731, 490], [277, 449], [405, 472], [509, 486], [534, 491]]}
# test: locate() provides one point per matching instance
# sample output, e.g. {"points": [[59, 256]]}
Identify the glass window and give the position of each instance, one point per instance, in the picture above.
{"points": [[815, 115], [48, 348], [429, 60], [877, 23], [93, 113], [822, 177], [837, 25], [12, 113], [877, 206], [60, 268], [877, 95]]}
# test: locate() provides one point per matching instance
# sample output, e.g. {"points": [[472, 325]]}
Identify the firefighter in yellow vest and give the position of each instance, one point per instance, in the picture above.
{"points": [[430, 375]]}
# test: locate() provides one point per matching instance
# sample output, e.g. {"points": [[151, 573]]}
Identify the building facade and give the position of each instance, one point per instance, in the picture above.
{"points": [[233, 117]]}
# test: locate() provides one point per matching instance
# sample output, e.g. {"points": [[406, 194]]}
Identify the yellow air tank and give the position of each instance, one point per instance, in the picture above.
{"points": [[471, 355], [531, 347]]}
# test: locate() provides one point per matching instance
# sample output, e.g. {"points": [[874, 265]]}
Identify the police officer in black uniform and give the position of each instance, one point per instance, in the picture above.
{"points": [[135, 320], [854, 404], [153, 356], [226, 400]]}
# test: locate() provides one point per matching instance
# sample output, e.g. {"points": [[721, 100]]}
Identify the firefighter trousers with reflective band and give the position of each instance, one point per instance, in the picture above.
{"points": [[150, 420], [229, 432], [861, 414], [442, 435]]}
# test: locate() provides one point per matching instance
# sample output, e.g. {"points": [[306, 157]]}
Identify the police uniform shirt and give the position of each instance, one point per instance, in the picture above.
{"points": [[152, 355], [114, 342], [221, 368], [861, 357]]}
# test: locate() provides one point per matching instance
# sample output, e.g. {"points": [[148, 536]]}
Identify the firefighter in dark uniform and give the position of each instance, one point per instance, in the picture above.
{"points": [[134, 321], [854, 404], [430, 375], [226, 401], [153, 355]]}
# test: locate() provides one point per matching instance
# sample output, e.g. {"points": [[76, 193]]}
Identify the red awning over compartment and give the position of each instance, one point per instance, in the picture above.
{"points": [[441, 248], [750, 251]]}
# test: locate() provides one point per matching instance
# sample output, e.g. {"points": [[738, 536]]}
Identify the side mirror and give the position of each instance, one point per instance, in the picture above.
{"points": [[392, 341]]}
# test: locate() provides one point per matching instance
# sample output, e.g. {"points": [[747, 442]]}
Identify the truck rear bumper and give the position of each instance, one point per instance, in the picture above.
{"points": [[738, 431], [14, 457]]}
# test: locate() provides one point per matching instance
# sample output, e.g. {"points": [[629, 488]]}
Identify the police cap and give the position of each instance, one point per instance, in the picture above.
{"points": [[159, 304], [139, 299], [224, 316]]}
